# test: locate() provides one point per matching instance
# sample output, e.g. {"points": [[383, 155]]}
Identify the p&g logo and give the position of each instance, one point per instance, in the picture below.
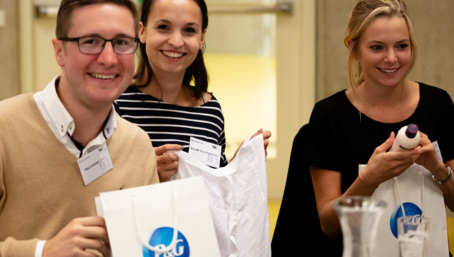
{"points": [[411, 209], [161, 238]]}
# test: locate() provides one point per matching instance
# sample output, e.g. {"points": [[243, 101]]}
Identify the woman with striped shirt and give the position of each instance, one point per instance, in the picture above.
{"points": [[161, 100]]}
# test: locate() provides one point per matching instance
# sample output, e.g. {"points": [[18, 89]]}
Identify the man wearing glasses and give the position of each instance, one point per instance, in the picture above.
{"points": [[61, 147]]}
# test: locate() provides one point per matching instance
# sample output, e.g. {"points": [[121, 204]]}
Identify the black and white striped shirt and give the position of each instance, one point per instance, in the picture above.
{"points": [[172, 124]]}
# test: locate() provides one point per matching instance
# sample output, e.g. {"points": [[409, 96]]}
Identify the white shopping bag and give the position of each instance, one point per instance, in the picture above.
{"points": [[162, 220], [419, 195], [238, 199]]}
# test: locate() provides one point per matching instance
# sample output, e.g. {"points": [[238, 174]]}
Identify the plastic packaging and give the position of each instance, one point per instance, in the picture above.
{"points": [[406, 139]]}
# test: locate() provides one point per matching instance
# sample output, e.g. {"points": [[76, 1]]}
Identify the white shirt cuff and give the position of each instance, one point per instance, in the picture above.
{"points": [[39, 248]]}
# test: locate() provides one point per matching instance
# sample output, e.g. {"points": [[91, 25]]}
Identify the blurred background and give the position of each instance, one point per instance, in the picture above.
{"points": [[269, 62]]}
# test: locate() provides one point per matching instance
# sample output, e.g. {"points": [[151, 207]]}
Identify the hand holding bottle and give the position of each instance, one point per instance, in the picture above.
{"points": [[428, 159], [384, 165]]}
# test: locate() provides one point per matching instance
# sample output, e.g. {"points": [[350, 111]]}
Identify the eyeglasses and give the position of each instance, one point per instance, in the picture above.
{"points": [[95, 45]]}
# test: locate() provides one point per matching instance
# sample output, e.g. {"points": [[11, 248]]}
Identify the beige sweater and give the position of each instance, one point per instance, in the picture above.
{"points": [[41, 187]]}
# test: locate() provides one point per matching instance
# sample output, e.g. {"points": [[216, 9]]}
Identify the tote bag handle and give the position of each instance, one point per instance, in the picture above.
{"points": [[175, 228], [397, 193]]}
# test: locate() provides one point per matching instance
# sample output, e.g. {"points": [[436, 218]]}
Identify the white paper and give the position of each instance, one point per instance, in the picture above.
{"points": [[437, 150], [208, 153], [95, 164], [99, 209]]}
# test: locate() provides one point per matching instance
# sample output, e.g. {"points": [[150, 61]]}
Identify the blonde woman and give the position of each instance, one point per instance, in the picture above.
{"points": [[358, 125]]}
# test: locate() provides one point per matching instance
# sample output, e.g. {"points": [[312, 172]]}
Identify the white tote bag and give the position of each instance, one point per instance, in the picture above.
{"points": [[238, 199], [418, 194], [162, 220]]}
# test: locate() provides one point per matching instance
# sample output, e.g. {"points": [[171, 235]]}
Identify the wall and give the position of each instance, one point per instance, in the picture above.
{"points": [[432, 21], [9, 51], [434, 29]]}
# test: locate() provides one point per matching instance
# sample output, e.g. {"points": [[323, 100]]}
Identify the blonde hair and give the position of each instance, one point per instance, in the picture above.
{"points": [[364, 13]]}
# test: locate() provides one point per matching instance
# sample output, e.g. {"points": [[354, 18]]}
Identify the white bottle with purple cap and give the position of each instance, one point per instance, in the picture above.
{"points": [[406, 139]]}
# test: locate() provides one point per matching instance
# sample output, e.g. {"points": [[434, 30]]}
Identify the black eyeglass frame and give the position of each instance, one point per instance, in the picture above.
{"points": [[76, 39]]}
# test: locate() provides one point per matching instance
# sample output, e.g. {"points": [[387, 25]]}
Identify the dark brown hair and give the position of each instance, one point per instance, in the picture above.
{"points": [[68, 6], [196, 70]]}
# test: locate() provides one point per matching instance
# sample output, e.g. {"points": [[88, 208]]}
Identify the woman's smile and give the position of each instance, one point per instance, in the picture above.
{"points": [[173, 36], [389, 71], [172, 54]]}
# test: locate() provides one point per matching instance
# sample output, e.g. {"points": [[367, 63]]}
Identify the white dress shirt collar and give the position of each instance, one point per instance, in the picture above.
{"points": [[62, 124]]}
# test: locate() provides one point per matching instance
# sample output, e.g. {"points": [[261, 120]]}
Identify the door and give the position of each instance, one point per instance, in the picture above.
{"points": [[260, 56]]}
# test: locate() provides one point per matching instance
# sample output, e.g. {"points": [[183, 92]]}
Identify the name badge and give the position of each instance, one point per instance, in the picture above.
{"points": [[95, 164], [437, 150], [207, 153]]}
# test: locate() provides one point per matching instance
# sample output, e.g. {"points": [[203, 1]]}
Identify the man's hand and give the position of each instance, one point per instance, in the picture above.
{"points": [[78, 235], [167, 162]]}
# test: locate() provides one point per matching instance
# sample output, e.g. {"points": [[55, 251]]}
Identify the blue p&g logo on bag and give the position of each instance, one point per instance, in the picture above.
{"points": [[161, 238], [411, 209]]}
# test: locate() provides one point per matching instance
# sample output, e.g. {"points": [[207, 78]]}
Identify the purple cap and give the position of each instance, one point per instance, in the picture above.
{"points": [[411, 131]]}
